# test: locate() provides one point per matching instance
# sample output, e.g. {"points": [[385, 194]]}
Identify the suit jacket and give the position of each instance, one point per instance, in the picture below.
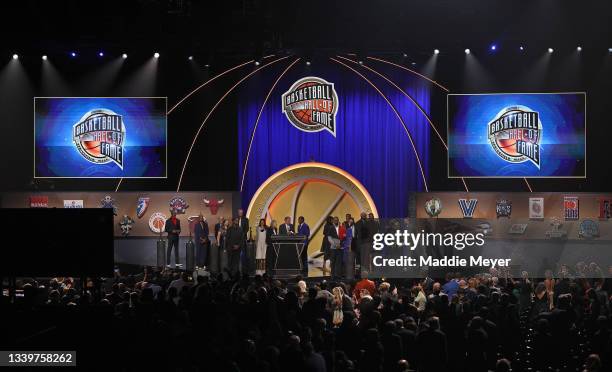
{"points": [[244, 225], [282, 229], [269, 233], [200, 231], [234, 237], [304, 229], [169, 227]]}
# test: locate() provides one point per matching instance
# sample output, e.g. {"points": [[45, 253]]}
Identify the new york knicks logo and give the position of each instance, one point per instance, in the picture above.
{"points": [[311, 105], [515, 134], [99, 136]]}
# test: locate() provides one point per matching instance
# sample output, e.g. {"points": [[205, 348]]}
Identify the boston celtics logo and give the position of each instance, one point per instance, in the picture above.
{"points": [[99, 137], [515, 134], [311, 105]]}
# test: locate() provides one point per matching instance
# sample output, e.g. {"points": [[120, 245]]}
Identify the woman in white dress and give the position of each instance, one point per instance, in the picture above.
{"points": [[261, 247]]}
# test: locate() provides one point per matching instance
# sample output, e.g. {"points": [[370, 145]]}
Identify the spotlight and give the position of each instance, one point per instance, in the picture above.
{"points": [[521, 48], [414, 63], [207, 65], [609, 50], [307, 63], [436, 51], [579, 49], [190, 58], [361, 62], [44, 57], [100, 54], [405, 55], [156, 55], [493, 47], [15, 56], [73, 54], [550, 50], [256, 63], [467, 51], [124, 56]]}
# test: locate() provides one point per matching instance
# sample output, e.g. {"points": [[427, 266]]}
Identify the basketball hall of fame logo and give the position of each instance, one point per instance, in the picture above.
{"points": [[311, 105], [99, 136], [515, 134]]}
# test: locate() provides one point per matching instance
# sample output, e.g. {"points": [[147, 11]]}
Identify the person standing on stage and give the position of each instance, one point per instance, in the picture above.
{"points": [[347, 242], [173, 228], [270, 255], [261, 247], [325, 242], [363, 240], [243, 223], [337, 233], [201, 241], [233, 242], [286, 228], [304, 230]]}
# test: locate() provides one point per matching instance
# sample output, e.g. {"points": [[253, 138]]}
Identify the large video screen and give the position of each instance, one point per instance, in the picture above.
{"points": [[99, 137], [517, 135]]}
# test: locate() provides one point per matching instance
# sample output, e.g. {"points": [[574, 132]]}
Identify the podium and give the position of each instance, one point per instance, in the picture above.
{"points": [[287, 255]]}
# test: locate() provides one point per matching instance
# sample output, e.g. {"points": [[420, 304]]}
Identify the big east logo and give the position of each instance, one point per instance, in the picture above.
{"points": [[311, 105], [99, 137], [515, 134]]}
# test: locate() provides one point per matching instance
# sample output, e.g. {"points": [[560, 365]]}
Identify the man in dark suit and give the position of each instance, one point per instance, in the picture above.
{"points": [[243, 223], [304, 229], [363, 242], [234, 240], [286, 228], [201, 241], [173, 228], [335, 237]]}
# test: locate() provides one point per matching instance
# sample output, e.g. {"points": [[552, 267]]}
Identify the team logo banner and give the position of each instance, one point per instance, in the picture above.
{"points": [[433, 207], [99, 137], [141, 206], [157, 222], [605, 208], [517, 135], [73, 204], [39, 202], [570, 204], [536, 208], [178, 204], [468, 206], [503, 208], [311, 105]]}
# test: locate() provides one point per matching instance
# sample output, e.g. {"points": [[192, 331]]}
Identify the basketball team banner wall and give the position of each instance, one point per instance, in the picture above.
{"points": [[517, 135], [99, 137]]}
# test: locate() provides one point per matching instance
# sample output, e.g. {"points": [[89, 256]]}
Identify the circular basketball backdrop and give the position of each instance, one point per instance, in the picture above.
{"points": [[313, 190]]}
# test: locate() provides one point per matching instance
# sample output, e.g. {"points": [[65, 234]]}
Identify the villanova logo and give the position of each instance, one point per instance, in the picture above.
{"points": [[468, 206]]}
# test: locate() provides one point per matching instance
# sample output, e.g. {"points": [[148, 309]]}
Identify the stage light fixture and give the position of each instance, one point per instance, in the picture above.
{"points": [[207, 65], [405, 55], [521, 48], [361, 62], [190, 58], [550, 50], [436, 51], [44, 57], [156, 55], [413, 63], [467, 51], [609, 50], [493, 47], [256, 63], [307, 63], [15, 56], [73, 54], [579, 49], [100, 54], [124, 56]]}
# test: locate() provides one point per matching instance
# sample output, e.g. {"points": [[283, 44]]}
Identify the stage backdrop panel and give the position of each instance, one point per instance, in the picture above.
{"points": [[517, 135], [145, 209], [99, 137], [369, 141]]}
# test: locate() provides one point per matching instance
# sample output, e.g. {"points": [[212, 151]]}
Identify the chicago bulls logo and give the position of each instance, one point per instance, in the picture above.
{"points": [[213, 204]]}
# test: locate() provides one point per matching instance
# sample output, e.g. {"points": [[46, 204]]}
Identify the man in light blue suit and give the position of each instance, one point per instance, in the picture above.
{"points": [[304, 229]]}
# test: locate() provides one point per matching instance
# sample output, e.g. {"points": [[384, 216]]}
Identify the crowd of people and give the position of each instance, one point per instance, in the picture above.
{"points": [[162, 319]]}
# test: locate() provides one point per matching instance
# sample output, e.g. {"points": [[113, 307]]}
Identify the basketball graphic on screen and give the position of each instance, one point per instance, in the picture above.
{"points": [[515, 134], [99, 136], [311, 105]]}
